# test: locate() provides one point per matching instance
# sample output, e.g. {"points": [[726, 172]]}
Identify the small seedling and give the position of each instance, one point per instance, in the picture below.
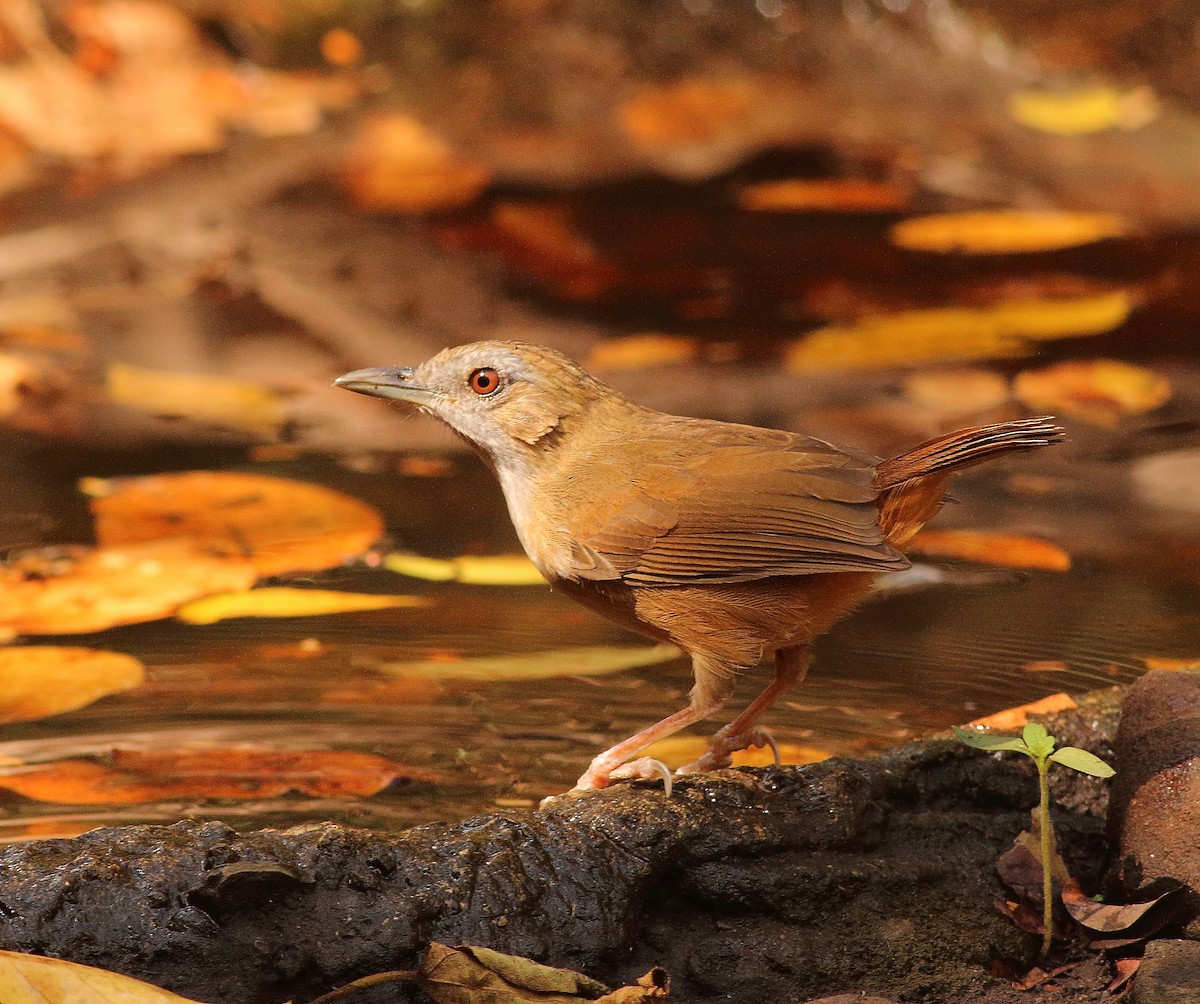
{"points": [[1037, 744]]}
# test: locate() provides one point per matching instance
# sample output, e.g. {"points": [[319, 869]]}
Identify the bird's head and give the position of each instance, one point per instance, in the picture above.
{"points": [[512, 400]]}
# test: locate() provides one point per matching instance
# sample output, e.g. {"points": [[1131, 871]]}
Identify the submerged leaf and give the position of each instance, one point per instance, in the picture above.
{"points": [[597, 660], [43, 680], [1014, 718], [1005, 231], [1009, 550], [1096, 390], [483, 570], [679, 750], [1087, 110], [839, 195], [280, 601], [35, 979], [635, 352]]}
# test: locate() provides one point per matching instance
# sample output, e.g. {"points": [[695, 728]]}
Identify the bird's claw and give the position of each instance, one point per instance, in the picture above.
{"points": [[725, 743], [644, 769]]}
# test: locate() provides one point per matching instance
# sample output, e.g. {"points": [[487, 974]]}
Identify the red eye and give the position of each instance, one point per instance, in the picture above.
{"points": [[485, 381]]}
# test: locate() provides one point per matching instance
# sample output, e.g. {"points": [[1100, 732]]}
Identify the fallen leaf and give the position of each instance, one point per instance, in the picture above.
{"points": [[398, 165], [697, 110], [37, 681], [275, 524], [1135, 920], [958, 391], [79, 590], [543, 238], [635, 352], [1099, 391], [1169, 663], [1014, 718], [679, 750], [840, 195], [220, 401], [1169, 480], [1126, 970], [281, 601], [35, 979], [1045, 666], [598, 660], [340, 47], [1087, 110], [131, 777], [483, 570], [1008, 550], [382, 693], [1005, 231]]}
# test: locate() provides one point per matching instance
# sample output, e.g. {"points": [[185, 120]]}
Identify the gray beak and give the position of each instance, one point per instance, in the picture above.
{"points": [[393, 382]]}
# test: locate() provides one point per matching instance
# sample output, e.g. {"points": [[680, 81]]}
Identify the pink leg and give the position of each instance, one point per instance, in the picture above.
{"points": [[791, 665]]}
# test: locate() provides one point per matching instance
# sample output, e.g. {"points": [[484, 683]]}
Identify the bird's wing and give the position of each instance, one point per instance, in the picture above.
{"points": [[719, 503]]}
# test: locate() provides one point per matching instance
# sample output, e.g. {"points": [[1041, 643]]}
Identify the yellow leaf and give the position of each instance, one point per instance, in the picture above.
{"points": [[676, 751], [599, 660], [957, 391], [483, 570], [841, 195], [1171, 664], [35, 979], [1004, 549], [689, 111], [636, 352], [280, 601], [43, 680], [1091, 109], [1096, 390], [1013, 718], [1005, 231], [233, 404]]}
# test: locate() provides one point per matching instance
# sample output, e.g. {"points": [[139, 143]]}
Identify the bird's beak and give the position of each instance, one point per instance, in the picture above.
{"points": [[394, 382]]}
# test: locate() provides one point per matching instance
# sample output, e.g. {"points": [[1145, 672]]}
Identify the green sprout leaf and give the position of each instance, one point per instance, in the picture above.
{"points": [[986, 741], [1082, 761], [1038, 740]]}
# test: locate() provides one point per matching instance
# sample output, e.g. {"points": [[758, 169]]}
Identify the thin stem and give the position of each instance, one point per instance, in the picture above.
{"points": [[1043, 767], [377, 980]]}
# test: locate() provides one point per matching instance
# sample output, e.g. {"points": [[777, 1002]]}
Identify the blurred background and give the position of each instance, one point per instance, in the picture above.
{"points": [[233, 592]]}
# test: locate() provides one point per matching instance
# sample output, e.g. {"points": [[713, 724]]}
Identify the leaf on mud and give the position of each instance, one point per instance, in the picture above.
{"points": [[1099, 391], [636, 352], [37, 681], [676, 751], [397, 165], [838, 195], [596, 660], [483, 570], [281, 601], [1020, 867], [79, 590], [1087, 110], [35, 979], [1008, 550], [131, 777], [275, 524], [1005, 231], [1131, 920], [220, 401], [1014, 718], [469, 975]]}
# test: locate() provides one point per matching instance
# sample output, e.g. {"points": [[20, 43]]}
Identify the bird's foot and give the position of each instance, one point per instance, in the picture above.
{"points": [[602, 774], [724, 743]]}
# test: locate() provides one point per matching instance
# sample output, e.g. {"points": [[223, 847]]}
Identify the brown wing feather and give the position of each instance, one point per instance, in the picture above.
{"points": [[722, 503]]}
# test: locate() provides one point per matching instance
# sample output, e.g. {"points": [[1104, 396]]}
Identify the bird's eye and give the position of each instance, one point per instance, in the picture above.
{"points": [[484, 382]]}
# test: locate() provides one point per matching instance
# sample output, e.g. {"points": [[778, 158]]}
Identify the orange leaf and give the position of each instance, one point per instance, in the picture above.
{"points": [[695, 110], [679, 750], [635, 352], [35, 979], [993, 548], [841, 195], [1096, 390], [1171, 664], [1005, 231], [43, 680], [1014, 718], [276, 525]]}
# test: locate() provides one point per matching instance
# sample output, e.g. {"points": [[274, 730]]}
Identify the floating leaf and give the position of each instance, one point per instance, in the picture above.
{"points": [[397, 165], [1082, 761], [1005, 231], [987, 741], [489, 570], [275, 524], [280, 601], [1014, 718], [635, 352], [598, 660], [129, 777], [79, 590], [1096, 390], [215, 400], [37, 681], [1087, 110], [1170, 663], [35, 979], [1004, 549], [839, 195], [676, 751]]}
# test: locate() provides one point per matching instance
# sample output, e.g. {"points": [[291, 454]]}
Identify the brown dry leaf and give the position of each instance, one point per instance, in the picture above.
{"points": [[1087, 110], [958, 391], [283, 601], [1099, 391], [275, 524], [597, 660], [1008, 550], [637, 352], [1005, 231], [837, 195], [35, 979], [131, 777], [235, 404], [697, 110], [676, 751], [1014, 718], [37, 681], [474, 570], [79, 590], [1131, 920], [398, 165]]}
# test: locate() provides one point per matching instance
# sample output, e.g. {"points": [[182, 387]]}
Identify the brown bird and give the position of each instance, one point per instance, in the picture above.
{"points": [[731, 541]]}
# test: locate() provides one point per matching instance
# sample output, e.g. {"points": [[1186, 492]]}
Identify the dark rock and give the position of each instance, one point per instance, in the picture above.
{"points": [[1169, 974]]}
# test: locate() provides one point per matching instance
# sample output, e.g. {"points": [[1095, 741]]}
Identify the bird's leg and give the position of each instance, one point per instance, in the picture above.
{"points": [[714, 683], [791, 664]]}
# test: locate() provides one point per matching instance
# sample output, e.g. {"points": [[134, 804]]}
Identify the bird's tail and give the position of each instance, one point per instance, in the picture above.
{"points": [[966, 447]]}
